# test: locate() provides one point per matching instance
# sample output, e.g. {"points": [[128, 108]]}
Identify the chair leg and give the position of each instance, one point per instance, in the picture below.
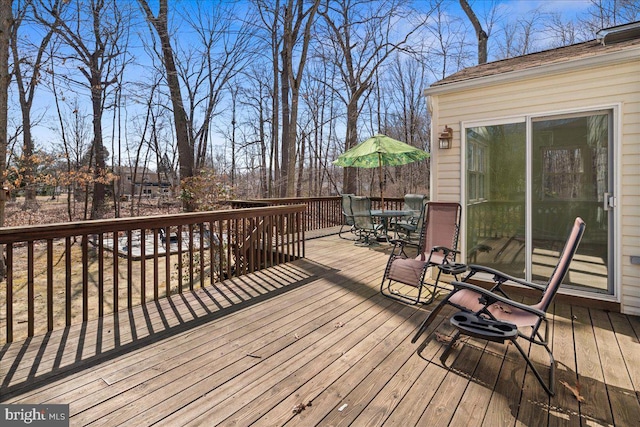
{"points": [[387, 292], [425, 324], [351, 230], [448, 348], [549, 388]]}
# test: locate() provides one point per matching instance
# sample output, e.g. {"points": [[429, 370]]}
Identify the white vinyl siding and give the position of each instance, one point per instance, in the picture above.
{"points": [[588, 89]]}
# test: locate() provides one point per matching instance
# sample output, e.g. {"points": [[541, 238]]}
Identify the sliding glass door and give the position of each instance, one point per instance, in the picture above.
{"points": [[496, 189], [570, 178], [525, 184]]}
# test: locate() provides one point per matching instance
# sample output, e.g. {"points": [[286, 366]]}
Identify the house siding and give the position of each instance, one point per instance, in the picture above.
{"points": [[595, 87]]}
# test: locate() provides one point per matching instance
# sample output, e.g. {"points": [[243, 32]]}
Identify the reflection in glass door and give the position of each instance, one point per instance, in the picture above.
{"points": [[570, 178], [495, 196], [570, 175]]}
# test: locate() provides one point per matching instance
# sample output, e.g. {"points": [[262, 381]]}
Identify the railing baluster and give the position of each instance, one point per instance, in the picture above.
{"points": [[201, 251], [167, 261], [85, 278], [49, 284], [129, 270], [213, 269], [115, 270], [9, 292], [30, 290], [191, 277], [100, 274], [67, 293], [143, 267], [179, 238], [155, 265]]}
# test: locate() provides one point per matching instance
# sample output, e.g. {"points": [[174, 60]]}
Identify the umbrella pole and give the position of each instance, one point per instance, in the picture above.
{"points": [[381, 189]]}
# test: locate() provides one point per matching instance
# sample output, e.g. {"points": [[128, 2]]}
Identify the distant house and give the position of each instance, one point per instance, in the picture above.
{"points": [[140, 182], [529, 143]]}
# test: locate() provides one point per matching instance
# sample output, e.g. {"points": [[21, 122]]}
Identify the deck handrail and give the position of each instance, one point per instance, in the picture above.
{"points": [[59, 274], [322, 211]]}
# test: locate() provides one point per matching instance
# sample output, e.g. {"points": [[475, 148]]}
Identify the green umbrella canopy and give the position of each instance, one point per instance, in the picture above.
{"points": [[380, 150]]}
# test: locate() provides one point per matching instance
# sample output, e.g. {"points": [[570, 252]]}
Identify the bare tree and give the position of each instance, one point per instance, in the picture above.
{"points": [[96, 36], [27, 70], [208, 67], [359, 38], [5, 31], [269, 21], [481, 34], [607, 13], [296, 20], [297, 24], [563, 33], [447, 50], [185, 146], [407, 118], [256, 98]]}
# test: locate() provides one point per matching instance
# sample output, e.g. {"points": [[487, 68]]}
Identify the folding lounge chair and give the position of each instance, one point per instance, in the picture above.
{"points": [[404, 277], [364, 226], [409, 229], [347, 214], [492, 315]]}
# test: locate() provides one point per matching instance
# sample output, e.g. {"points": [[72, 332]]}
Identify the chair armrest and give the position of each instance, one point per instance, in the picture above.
{"points": [[399, 245], [444, 249], [446, 252], [501, 277], [402, 242], [493, 297]]}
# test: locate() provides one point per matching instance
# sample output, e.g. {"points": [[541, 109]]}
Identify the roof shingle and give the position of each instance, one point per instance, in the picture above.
{"points": [[547, 57]]}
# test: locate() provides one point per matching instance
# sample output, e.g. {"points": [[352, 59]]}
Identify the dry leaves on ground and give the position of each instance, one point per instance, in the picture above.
{"points": [[445, 339], [300, 407], [574, 389], [503, 309]]}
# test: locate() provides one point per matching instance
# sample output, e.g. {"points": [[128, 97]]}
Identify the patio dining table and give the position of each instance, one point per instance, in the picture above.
{"points": [[385, 215]]}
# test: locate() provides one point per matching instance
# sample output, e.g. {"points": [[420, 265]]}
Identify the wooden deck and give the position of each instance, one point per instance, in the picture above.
{"points": [[314, 343]]}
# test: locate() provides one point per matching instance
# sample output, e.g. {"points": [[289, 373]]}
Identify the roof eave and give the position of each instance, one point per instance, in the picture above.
{"points": [[542, 70]]}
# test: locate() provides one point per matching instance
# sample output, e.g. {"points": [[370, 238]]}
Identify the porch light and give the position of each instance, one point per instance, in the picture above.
{"points": [[445, 138]]}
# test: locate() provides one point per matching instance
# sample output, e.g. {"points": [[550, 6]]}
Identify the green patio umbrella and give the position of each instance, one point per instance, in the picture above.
{"points": [[379, 151]]}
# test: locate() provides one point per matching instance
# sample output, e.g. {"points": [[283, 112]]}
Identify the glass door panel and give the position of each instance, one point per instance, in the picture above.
{"points": [[495, 196], [570, 178]]}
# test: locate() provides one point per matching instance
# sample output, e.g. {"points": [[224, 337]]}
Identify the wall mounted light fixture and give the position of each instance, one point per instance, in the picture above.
{"points": [[445, 138]]}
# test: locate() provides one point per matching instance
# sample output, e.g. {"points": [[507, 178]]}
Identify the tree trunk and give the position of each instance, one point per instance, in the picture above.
{"points": [[303, 142], [5, 79], [286, 114], [185, 148], [26, 93], [98, 202], [351, 140], [480, 33]]}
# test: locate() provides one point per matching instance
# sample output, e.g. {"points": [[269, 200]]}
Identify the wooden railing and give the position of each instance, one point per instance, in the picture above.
{"points": [[551, 219], [61, 274], [321, 212]]}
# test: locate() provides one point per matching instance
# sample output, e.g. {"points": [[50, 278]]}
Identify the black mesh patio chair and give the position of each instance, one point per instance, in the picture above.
{"points": [[408, 228], [364, 225], [405, 277], [494, 316]]}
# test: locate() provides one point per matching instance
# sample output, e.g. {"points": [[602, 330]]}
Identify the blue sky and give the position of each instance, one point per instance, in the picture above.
{"points": [[509, 9]]}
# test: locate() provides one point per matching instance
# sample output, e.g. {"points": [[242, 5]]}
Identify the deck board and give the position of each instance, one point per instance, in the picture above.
{"points": [[317, 331]]}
